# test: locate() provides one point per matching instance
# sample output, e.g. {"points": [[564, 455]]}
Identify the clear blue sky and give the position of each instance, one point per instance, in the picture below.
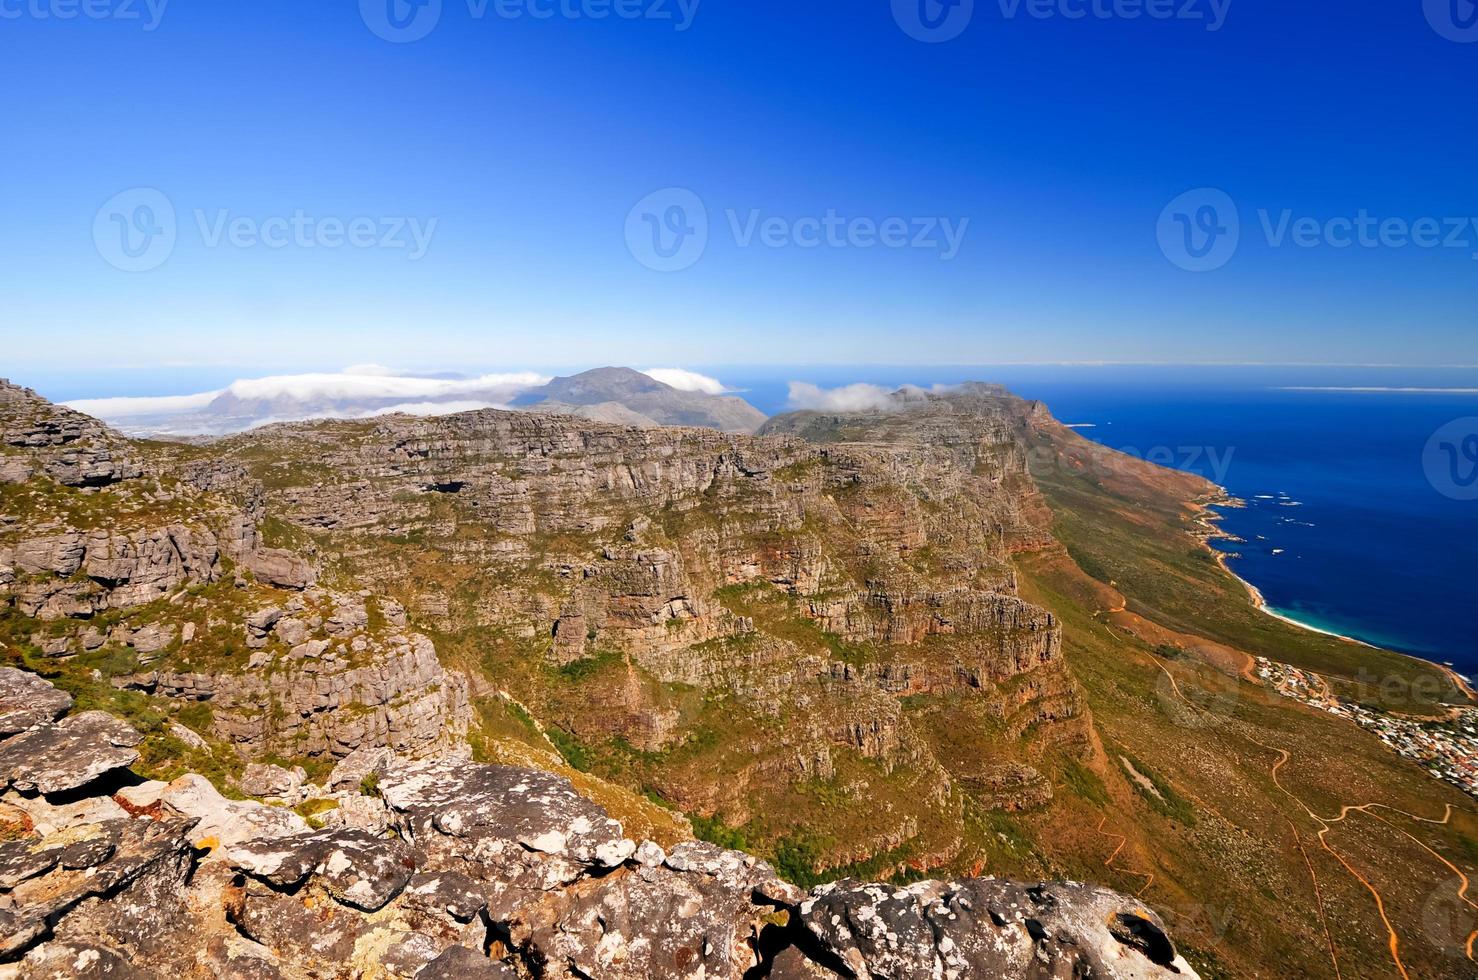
{"points": [[529, 142]]}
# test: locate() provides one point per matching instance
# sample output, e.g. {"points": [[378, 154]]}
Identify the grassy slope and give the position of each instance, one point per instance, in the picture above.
{"points": [[1233, 855]]}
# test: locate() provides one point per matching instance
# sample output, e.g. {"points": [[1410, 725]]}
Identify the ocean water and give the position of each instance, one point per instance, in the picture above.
{"points": [[1353, 521]]}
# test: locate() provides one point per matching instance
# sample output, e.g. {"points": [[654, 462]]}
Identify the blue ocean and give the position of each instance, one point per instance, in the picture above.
{"points": [[1355, 523]]}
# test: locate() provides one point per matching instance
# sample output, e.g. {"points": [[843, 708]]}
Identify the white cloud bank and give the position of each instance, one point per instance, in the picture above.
{"points": [[124, 408], [848, 398], [314, 388], [361, 391], [684, 380], [858, 397]]}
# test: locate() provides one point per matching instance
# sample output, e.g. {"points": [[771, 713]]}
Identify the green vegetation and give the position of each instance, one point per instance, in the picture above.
{"points": [[1085, 783], [573, 752], [715, 831], [313, 811]]}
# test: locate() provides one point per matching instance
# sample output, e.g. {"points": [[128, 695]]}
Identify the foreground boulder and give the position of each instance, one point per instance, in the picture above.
{"points": [[988, 928], [487, 873], [27, 701], [68, 755]]}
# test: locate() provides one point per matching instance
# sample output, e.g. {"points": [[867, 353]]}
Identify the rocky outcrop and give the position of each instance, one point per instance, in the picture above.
{"points": [[321, 681], [26, 701], [67, 755], [495, 872], [165, 572], [984, 927], [69, 447]]}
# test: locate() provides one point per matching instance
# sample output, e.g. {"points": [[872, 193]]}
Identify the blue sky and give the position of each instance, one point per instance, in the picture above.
{"points": [[518, 148]]}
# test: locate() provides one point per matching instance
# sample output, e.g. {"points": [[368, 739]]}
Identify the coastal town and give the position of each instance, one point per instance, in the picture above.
{"points": [[1446, 749]]}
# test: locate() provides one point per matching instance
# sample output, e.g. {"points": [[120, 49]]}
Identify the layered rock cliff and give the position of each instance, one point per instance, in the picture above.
{"points": [[110, 564], [745, 628]]}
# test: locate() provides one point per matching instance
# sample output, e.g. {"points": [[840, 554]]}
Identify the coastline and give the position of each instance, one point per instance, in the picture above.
{"points": [[1209, 519]]}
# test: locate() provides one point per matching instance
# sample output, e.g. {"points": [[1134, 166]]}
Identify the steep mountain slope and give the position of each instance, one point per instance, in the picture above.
{"points": [[761, 643], [818, 647], [952, 635]]}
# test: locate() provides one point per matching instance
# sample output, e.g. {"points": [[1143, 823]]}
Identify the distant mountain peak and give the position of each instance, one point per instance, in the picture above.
{"points": [[623, 396]]}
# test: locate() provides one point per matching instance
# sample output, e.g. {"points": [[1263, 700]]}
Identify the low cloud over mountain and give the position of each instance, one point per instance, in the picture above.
{"points": [[659, 396]]}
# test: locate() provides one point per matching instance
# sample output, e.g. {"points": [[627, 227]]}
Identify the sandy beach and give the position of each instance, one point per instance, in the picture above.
{"points": [[1209, 518]]}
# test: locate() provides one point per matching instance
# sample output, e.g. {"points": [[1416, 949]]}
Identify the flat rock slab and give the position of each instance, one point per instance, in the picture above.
{"points": [[505, 824], [136, 847], [222, 823], [986, 927], [461, 963], [77, 961], [445, 893], [694, 916], [355, 867], [27, 701], [68, 755]]}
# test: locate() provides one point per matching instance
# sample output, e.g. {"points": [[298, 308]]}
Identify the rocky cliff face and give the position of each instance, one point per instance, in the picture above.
{"points": [[490, 872], [106, 559], [744, 627]]}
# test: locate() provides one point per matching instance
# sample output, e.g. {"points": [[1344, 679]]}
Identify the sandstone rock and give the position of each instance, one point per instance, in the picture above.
{"points": [[280, 568], [352, 770], [191, 738], [310, 932], [700, 915], [77, 961], [515, 828], [354, 867], [150, 862], [220, 823], [70, 754], [238, 958], [449, 893], [266, 781], [48, 818], [988, 928], [143, 796], [461, 963], [27, 701]]}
